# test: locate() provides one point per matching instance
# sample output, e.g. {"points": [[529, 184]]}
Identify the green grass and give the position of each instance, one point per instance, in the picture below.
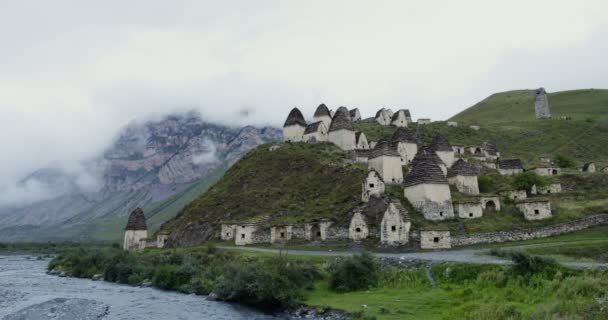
{"points": [[596, 251]]}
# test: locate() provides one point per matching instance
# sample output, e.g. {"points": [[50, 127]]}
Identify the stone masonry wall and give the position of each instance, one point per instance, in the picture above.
{"points": [[549, 231]]}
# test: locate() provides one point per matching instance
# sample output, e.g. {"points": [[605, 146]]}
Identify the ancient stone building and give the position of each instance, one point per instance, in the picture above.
{"points": [[399, 118], [395, 225], [373, 186], [510, 167], [316, 230], [293, 129], [491, 151], [361, 141], [316, 132], [464, 177], [541, 104], [477, 152], [468, 209], [383, 117], [552, 188], [341, 132], [362, 155], [490, 203], [387, 162], [227, 231], [517, 194], [404, 140], [534, 208], [408, 115], [459, 150], [434, 157], [604, 169], [355, 115], [136, 231], [358, 230], [442, 148], [424, 121], [589, 167], [251, 233], [322, 114], [280, 234], [547, 171], [161, 239], [390, 113], [435, 239], [452, 124], [427, 189], [475, 127]]}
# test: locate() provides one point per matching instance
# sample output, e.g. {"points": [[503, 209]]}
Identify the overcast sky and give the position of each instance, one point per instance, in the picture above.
{"points": [[72, 73]]}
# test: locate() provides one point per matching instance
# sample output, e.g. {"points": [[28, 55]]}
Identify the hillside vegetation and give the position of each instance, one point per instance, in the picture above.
{"points": [[294, 183]]}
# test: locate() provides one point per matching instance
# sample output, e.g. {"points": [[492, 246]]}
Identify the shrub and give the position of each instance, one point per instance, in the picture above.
{"points": [[359, 272], [565, 162], [525, 181], [485, 184]]}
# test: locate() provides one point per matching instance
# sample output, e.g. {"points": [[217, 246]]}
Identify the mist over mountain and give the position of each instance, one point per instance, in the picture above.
{"points": [[148, 163]]}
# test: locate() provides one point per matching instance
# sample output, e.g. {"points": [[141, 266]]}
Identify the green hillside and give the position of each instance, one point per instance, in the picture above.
{"points": [[518, 106], [297, 182]]}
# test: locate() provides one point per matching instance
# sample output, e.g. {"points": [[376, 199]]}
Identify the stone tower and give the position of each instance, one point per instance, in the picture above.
{"points": [[135, 231], [541, 104]]}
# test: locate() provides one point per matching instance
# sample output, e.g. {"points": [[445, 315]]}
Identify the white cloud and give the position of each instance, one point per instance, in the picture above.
{"points": [[72, 73]]}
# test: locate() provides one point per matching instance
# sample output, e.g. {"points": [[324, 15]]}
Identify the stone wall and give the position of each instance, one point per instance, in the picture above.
{"points": [[468, 210], [345, 139], [394, 230], [358, 229], [447, 157], [465, 184], [293, 133], [434, 201], [389, 168], [537, 210], [518, 235], [407, 151], [280, 234], [133, 239], [435, 240]]}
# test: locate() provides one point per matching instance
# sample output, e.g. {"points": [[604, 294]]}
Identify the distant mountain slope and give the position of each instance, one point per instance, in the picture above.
{"points": [[159, 165], [518, 105]]}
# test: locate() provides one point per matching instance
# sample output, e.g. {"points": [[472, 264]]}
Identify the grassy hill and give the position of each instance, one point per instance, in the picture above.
{"points": [[518, 106]]}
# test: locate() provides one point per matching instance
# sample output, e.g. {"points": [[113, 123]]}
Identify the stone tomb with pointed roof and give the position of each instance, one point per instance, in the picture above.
{"points": [[316, 132], [404, 140], [399, 118], [372, 186], [294, 126], [444, 150], [383, 117], [427, 188], [361, 141], [509, 167], [341, 132], [323, 114], [589, 167], [386, 161], [382, 217], [136, 231], [464, 177], [355, 114]]}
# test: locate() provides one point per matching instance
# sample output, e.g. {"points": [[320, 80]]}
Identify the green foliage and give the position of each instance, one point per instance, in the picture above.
{"points": [[485, 183], [525, 181], [564, 162], [359, 272]]}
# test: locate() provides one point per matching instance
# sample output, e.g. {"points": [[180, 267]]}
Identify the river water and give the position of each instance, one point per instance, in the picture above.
{"points": [[28, 293]]}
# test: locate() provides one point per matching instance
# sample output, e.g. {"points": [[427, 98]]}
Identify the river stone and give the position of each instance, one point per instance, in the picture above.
{"points": [[62, 308]]}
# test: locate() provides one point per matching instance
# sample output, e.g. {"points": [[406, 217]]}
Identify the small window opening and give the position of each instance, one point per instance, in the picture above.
{"points": [[436, 239], [471, 214], [548, 191], [393, 179], [536, 211], [358, 230], [227, 234], [441, 214], [371, 185], [318, 233], [394, 228], [242, 236], [282, 234]]}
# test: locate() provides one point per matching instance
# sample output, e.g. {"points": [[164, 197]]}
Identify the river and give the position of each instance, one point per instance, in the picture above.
{"points": [[28, 293]]}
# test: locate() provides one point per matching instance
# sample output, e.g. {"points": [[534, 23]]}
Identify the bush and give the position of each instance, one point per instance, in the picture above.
{"points": [[565, 162], [525, 181], [485, 184], [359, 272]]}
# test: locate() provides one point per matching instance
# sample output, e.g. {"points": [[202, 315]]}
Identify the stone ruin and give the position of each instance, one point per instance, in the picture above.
{"points": [[541, 104]]}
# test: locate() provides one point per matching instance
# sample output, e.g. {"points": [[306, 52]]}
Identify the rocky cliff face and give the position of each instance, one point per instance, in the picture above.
{"points": [[148, 163]]}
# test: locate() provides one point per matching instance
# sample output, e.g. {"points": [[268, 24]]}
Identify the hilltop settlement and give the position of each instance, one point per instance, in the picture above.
{"points": [[438, 181]]}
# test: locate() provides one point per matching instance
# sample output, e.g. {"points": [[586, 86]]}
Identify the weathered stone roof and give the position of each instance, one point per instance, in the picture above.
{"points": [[295, 117], [510, 164], [491, 148], [406, 114], [468, 201], [587, 165], [462, 168], [377, 206], [433, 155], [425, 170], [362, 153], [377, 174], [137, 220], [358, 135], [341, 120], [532, 200], [540, 91], [403, 135], [440, 143], [322, 111], [379, 112], [383, 148], [313, 127], [353, 112], [402, 210]]}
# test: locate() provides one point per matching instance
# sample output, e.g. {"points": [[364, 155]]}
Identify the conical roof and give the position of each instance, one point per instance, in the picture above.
{"points": [[406, 114], [295, 117], [322, 111], [137, 220], [491, 148], [432, 154], [383, 148], [440, 143], [425, 170], [462, 168], [341, 120], [380, 112], [403, 135]]}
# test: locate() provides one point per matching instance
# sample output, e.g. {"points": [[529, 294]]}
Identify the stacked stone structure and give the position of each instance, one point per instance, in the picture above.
{"points": [[510, 167], [547, 171], [589, 167], [294, 126], [399, 118], [534, 208], [136, 231], [316, 132], [404, 141], [442, 148], [435, 239], [468, 209], [427, 188], [464, 177], [541, 104], [383, 117], [387, 162], [373, 186], [355, 115], [361, 141], [323, 114], [341, 132]]}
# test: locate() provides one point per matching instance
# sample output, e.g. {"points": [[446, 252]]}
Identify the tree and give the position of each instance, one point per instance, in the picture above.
{"points": [[525, 181]]}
